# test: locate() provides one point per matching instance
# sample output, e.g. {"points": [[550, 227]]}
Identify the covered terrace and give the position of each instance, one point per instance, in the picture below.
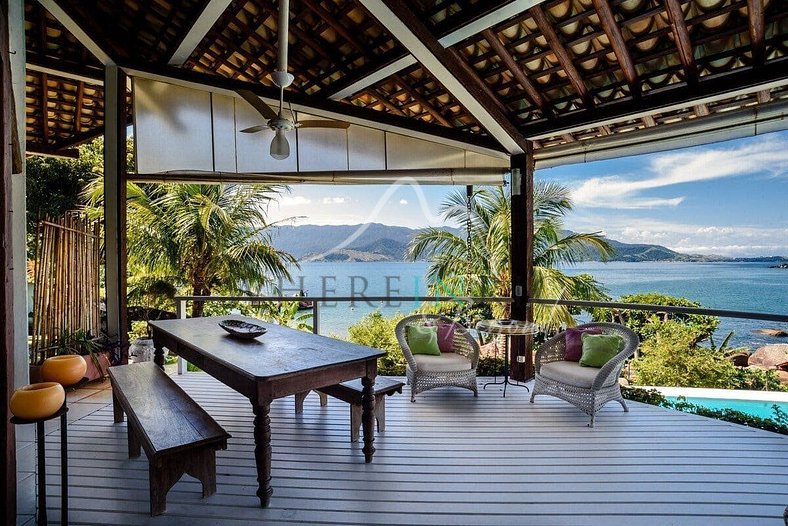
{"points": [[440, 92]]}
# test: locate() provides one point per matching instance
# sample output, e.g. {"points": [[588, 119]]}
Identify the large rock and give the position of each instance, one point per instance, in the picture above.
{"points": [[770, 356], [776, 333]]}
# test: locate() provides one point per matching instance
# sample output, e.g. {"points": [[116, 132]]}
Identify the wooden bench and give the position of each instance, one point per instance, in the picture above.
{"points": [[350, 392], [178, 436]]}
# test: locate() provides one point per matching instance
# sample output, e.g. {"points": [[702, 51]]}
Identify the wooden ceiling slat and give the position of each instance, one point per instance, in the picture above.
{"points": [[515, 69], [613, 32], [546, 28], [757, 31], [682, 38]]}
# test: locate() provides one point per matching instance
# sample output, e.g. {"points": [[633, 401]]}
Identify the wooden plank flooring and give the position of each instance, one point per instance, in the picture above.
{"points": [[449, 458]]}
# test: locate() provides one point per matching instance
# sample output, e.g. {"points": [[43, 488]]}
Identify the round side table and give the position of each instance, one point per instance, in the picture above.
{"points": [[507, 328]]}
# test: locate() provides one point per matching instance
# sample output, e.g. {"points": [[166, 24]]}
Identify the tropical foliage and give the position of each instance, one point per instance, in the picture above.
{"points": [[646, 323], [198, 239], [376, 330], [483, 269]]}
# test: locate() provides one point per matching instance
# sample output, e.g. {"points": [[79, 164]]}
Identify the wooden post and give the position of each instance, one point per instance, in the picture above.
{"points": [[115, 205], [7, 437], [522, 252]]}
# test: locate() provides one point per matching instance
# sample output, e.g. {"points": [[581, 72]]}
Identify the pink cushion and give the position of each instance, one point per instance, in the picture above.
{"points": [[574, 342], [446, 337]]}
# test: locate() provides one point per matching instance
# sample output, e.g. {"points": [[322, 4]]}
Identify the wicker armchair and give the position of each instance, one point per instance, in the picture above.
{"points": [[588, 388], [428, 372]]}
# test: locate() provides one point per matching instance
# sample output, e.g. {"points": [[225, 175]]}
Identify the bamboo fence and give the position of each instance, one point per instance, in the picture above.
{"points": [[66, 294]]}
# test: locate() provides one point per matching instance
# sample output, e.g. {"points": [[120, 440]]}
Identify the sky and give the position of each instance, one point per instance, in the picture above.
{"points": [[728, 198]]}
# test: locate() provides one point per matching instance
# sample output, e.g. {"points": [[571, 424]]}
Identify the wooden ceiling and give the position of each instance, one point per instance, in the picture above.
{"points": [[553, 72]]}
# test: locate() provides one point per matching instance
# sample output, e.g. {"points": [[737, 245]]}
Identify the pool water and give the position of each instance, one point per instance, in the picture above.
{"points": [[758, 408]]}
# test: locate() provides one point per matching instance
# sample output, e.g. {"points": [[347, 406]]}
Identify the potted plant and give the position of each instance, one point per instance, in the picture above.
{"points": [[92, 349]]}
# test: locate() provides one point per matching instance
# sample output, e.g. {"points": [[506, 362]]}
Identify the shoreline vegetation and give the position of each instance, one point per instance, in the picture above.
{"points": [[378, 242]]}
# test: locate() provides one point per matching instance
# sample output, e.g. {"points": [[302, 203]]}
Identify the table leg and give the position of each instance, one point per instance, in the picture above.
{"points": [[42, 480], [505, 364], [368, 416], [63, 470], [158, 354], [262, 452]]}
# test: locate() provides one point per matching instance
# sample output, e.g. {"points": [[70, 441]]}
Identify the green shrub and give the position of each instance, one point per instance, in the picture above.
{"points": [[646, 323], [777, 424], [490, 366], [670, 357], [377, 331]]}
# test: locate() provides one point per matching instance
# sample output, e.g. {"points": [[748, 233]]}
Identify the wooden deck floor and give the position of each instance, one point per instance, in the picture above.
{"points": [[447, 459]]}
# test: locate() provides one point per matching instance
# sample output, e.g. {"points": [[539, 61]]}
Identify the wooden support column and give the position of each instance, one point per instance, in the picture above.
{"points": [[115, 205], [522, 252], [7, 438]]}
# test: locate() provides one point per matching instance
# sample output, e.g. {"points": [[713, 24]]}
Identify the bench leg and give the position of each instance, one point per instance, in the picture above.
{"points": [[162, 475], [380, 412], [202, 466], [299, 402], [356, 412], [323, 399], [117, 410], [134, 441]]}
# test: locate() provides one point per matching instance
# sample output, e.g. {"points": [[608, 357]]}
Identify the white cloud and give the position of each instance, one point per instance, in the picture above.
{"points": [[294, 200], [403, 201], [334, 200], [767, 156]]}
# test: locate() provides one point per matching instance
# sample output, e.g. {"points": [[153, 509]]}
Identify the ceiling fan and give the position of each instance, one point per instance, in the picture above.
{"points": [[280, 148]]}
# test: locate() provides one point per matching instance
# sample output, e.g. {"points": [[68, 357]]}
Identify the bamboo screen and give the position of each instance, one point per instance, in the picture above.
{"points": [[66, 296]]}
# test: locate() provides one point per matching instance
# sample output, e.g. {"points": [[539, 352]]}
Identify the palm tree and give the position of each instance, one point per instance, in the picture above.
{"points": [[484, 270], [201, 238]]}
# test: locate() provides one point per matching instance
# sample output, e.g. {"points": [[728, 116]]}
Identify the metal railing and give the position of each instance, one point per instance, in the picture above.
{"points": [[316, 301]]}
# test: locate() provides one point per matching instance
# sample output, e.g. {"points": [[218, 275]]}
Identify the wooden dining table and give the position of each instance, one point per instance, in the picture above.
{"points": [[281, 362]]}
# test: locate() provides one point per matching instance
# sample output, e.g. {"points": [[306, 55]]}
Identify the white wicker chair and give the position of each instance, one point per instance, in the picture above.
{"points": [[587, 388], [428, 372]]}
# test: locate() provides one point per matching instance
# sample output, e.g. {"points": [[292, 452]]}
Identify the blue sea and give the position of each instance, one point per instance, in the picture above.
{"points": [[750, 287]]}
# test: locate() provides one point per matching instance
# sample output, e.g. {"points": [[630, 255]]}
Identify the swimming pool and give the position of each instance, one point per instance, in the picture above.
{"points": [[760, 408]]}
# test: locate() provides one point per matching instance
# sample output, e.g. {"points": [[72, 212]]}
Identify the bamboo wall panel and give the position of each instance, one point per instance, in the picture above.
{"points": [[66, 296]]}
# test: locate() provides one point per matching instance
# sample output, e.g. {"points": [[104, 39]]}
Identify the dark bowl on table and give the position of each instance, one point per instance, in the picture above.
{"points": [[242, 329]]}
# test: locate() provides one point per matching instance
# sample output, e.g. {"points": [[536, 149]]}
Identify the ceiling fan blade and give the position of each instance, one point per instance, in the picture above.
{"points": [[255, 129], [323, 124], [262, 108]]}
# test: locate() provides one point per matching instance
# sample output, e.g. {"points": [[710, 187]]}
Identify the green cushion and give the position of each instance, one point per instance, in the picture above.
{"points": [[598, 349], [423, 340]]}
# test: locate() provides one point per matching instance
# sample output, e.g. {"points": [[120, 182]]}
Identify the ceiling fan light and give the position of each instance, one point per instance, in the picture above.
{"points": [[280, 148]]}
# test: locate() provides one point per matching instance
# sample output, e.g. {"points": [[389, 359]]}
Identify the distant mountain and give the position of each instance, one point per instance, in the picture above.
{"points": [[376, 242]]}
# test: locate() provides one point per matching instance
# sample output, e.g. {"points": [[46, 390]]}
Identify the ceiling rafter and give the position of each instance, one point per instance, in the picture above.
{"points": [[44, 107], [75, 29], [757, 30], [78, 109], [448, 69], [416, 96], [198, 29], [534, 95], [613, 32], [737, 82], [682, 38], [546, 28], [395, 63]]}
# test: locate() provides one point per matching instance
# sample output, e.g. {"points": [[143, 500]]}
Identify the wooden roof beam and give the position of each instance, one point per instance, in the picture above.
{"points": [[416, 96], [395, 65], [613, 32], [534, 95], [681, 96], [546, 28], [682, 39], [199, 28], [75, 29], [64, 70], [448, 68], [757, 31], [78, 110]]}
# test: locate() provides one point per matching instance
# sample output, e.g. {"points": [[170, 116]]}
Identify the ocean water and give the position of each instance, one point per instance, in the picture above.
{"points": [[732, 286]]}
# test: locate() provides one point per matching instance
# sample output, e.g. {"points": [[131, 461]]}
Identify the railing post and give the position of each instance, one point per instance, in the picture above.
{"points": [[180, 311], [315, 317]]}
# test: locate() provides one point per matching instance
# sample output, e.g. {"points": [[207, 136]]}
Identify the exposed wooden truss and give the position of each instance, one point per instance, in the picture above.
{"points": [[541, 69], [199, 28]]}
